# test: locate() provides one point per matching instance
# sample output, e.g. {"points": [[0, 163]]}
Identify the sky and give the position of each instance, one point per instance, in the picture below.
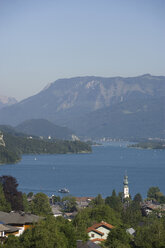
{"points": [[44, 40]]}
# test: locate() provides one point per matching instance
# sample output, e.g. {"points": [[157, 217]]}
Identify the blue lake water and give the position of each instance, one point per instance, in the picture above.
{"points": [[91, 174]]}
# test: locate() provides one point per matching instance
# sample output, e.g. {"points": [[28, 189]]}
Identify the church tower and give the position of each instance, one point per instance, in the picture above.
{"points": [[126, 188]]}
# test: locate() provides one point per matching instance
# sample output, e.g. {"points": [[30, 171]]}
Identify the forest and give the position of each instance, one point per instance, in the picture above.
{"points": [[15, 146]]}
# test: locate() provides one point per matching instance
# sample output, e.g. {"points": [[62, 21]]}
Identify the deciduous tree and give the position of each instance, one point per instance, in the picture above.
{"points": [[152, 192], [40, 205], [12, 195], [118, 238]]}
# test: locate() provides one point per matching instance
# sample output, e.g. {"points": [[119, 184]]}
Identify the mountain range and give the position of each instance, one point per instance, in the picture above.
{"points": [[97, 106]]}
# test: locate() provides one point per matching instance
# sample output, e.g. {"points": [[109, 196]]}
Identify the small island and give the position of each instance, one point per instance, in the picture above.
{"points": [[149, 144]]}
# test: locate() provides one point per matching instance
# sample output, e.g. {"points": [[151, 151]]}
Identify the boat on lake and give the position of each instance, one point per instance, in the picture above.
{"points": [[64, 190]]}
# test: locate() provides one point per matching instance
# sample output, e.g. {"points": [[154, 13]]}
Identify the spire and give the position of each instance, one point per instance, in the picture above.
{"points": [[126, 188], [125, 179]]}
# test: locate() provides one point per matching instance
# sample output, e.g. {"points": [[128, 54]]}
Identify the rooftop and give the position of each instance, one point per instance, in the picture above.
{"points": [[97, 225], [18, 218], [87, 244]]}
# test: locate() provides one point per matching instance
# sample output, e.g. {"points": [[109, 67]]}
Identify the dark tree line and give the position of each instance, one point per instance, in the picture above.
{"points": [[18, 145]]}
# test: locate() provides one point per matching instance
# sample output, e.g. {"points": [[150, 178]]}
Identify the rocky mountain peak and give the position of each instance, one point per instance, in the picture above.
{"points": [[7, 101], [2, 143]]}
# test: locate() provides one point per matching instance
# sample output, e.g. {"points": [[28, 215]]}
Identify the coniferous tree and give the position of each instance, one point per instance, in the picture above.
{"points": [[114, 202], [4, 205]]}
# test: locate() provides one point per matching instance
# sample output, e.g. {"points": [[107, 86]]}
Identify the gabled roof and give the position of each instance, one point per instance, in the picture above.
{"points": [[84, 198], [73, 214], [56, 210], [97, 225], [8, 229], [11, 229], [3, 228], [95, 230], [18, 218]]}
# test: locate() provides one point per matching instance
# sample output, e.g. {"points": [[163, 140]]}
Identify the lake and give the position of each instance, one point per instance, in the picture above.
{"points": [[91, 174]]}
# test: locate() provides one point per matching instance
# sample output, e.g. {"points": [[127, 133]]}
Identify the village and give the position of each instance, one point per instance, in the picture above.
{"points": [[15, 223]]}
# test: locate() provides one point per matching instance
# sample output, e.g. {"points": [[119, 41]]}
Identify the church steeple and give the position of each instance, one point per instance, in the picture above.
{"points": [[126, 188]]}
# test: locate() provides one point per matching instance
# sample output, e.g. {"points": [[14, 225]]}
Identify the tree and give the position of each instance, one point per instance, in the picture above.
{"points": [[30, 195], [50, 233], [81, 222], [114, 202], [40, 205], [131, 217], [138, 198], [131, 214], [25, 203], [152, 192], [105, 213], [98, 200], [4, 205], [12, 242], [151, 235], [56, 199], [118, 237], [161, 199], [70, 203], [88, 216], [69, 231], [113, 193], [12, 195]]}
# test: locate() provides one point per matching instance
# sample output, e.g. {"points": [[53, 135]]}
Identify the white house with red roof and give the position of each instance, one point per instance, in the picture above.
{"points": [[99, 231]]}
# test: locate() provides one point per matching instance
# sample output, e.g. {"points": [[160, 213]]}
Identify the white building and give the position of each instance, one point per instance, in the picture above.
{"points": [[99, 232], [126, 188]]}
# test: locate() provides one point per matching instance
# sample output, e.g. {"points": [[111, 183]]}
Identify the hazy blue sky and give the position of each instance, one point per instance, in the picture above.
{"points": [[43, 40]]}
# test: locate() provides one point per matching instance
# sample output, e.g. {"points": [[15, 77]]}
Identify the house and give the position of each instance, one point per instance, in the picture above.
{"points": [[131, 231], [99, 232], [88, 244], [17, 222], [149, 207], [56, 211], [70, 216], [83, 202], [5, 230]]}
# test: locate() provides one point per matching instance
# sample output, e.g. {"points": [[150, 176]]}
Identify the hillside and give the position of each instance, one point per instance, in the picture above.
{"points": [[44, 128], [134, 118], [15, 146], [11, 130], [86, 103]]}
